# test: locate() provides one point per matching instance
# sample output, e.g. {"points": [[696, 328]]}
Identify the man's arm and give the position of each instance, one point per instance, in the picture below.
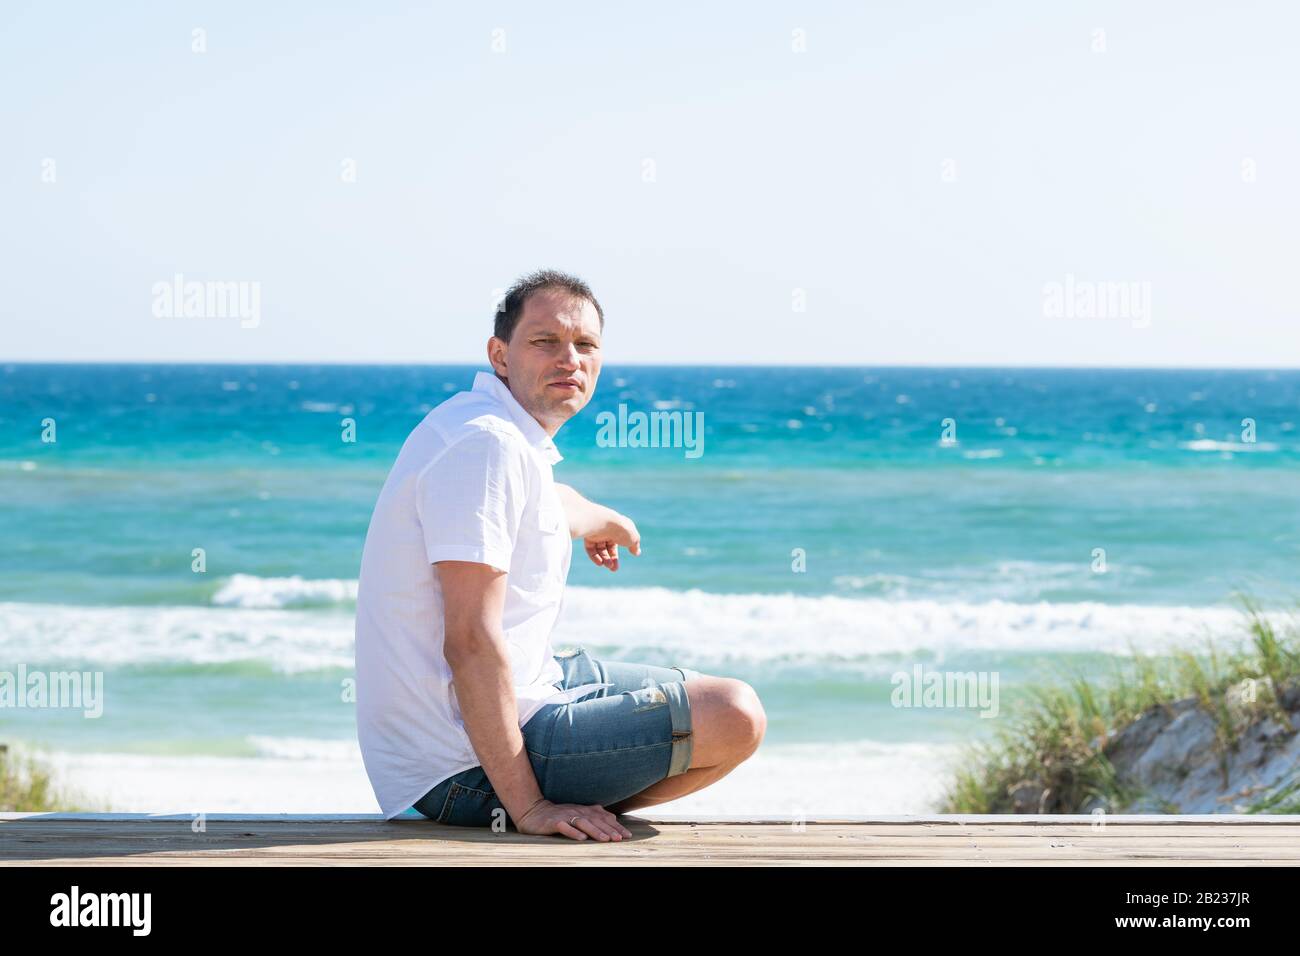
{"points": [[474, 646], [602, 529], [586, 518], [473, 598]]}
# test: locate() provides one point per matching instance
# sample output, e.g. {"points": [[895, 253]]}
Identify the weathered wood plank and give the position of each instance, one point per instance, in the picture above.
{"points": [[322, 840]]}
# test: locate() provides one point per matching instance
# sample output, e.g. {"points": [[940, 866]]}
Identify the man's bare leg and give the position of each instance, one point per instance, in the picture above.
{"points": [[671, 788], [727, 725]]}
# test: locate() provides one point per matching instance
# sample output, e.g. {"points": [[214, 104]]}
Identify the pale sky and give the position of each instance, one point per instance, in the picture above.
{"points": [[914, 178]]}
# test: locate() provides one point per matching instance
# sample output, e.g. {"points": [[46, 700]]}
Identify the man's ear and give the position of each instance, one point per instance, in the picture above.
{"points": [[496, 353]]}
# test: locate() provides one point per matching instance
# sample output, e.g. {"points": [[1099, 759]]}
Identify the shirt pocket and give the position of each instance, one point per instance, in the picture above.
{"points": [[551, 520], [539, 561]]}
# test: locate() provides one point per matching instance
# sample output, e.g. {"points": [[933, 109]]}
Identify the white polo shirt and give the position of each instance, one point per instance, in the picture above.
{"points": [[473, 482]]}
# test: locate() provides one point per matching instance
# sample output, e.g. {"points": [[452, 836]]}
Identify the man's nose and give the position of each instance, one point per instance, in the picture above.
{"points": [[569, 358]]}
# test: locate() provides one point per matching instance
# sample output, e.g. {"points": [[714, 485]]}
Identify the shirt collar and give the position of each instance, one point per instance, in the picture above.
{"points": [[533, 431]]}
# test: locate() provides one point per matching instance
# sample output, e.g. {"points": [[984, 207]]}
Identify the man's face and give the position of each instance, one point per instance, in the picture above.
{"points": [[552, 360]]}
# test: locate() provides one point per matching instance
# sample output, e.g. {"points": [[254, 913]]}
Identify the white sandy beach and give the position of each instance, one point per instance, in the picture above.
{"points": [[816, 779]]}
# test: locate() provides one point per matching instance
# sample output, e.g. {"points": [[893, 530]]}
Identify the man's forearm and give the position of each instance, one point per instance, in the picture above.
{"points": [[585, 517], [486, 693]]}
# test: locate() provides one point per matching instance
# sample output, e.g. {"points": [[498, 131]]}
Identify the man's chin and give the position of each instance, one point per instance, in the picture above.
{"points": [[568, 407]]}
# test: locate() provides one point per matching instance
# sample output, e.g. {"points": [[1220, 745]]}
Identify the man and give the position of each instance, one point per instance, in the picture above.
{"points": [[464, 710]]}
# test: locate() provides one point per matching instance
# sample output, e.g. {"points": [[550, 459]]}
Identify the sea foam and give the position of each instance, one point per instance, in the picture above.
{"points": [[693, 628]]}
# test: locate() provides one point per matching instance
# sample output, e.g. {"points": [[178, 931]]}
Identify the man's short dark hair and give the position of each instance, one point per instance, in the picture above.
{"points": [[512, 306]]}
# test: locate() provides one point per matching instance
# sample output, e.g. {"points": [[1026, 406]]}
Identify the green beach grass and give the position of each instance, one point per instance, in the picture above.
{"points": [[26, 786], [1054, 739]]}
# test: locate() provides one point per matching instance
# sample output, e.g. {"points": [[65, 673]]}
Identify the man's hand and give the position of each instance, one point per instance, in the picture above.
{"points": [[595, 820], [601, 529], [602, 547]]}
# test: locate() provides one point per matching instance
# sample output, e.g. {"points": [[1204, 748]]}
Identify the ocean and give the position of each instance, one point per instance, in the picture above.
{"points": [[193, 533]]}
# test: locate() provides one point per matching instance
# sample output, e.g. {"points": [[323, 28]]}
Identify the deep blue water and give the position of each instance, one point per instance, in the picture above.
{"points": [[847, 464]]}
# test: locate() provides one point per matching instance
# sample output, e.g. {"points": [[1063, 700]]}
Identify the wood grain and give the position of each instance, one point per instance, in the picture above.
{"points": [[259, 840]]}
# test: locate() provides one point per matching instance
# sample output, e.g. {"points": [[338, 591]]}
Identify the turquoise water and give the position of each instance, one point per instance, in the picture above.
{"points": [[979, 553]]}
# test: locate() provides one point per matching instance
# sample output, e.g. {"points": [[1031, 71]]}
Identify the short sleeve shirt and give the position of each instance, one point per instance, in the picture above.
{"points": [[473, 482]]}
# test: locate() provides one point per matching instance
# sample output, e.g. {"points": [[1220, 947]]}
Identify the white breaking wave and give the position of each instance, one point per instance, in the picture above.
{"points": [[246, 590], [286, 641], [691, 628], [1021, 582], [1206, 444], [306, 748], [699, 629]]}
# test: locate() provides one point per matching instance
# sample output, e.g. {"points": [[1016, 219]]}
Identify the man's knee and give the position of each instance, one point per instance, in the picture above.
{"points": [[749, 717]]}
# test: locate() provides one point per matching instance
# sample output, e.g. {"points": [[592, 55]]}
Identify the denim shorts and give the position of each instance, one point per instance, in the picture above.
{"points": [[599, 749]]}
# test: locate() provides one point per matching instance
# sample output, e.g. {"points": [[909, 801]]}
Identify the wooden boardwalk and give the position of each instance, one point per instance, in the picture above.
{"points": [[124, 839]]}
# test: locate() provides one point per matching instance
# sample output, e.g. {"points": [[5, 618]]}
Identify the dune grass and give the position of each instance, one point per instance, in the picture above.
{"points": [[1053, 742], [26, 786]]}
